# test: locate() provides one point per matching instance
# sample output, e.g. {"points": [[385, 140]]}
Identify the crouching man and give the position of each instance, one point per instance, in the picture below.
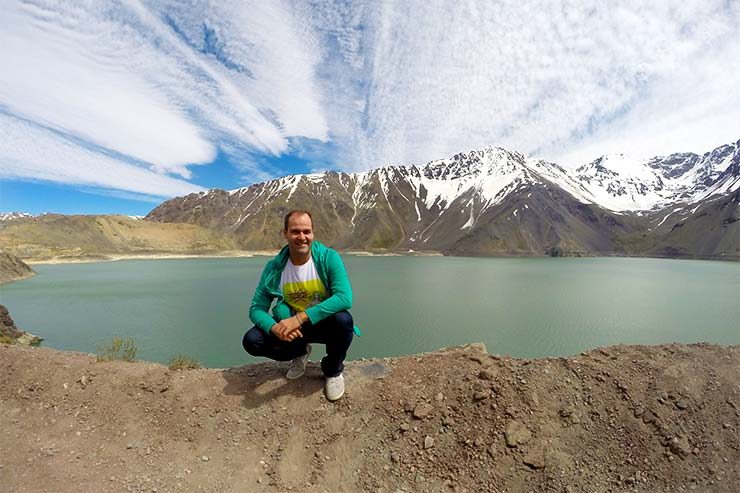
{"points": [[313, 294]]}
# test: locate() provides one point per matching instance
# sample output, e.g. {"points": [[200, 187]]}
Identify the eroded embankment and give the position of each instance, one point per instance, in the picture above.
{"points": [[623, 418]]}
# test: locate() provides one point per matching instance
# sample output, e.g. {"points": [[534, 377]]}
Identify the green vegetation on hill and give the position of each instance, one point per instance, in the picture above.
{"points": [[122, 349]]}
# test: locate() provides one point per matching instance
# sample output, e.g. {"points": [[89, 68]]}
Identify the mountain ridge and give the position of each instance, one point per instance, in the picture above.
{"points": [[460, 205]]}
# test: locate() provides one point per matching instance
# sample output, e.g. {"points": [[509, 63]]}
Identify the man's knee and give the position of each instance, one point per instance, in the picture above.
{"points": [[344, 320], [253, 341]]}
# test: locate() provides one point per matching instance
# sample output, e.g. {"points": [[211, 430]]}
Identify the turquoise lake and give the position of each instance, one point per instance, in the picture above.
{"points": [[525, 307]]}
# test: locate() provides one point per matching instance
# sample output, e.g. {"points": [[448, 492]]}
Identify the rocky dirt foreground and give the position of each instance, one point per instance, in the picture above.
{"points": [[623, 418]]}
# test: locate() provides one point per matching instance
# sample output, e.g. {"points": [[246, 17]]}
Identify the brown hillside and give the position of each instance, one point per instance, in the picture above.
{"points": [[13, 269], [79, 236]]}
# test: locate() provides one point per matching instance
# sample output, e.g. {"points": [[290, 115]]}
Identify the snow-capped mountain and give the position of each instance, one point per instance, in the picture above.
{"points": [[9, 216], [619, 183], [482, 201]]}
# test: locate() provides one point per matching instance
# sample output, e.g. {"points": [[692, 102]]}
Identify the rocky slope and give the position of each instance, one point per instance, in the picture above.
{"points": [[10, 334], [89, 236], [494, 201], [623, 418], [13, 269]]}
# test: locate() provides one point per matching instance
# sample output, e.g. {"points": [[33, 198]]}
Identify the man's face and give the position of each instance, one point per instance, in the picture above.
{"points": [[299, 234]]}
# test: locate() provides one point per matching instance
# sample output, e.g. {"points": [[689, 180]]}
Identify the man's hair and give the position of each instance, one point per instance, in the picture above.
{"points": [[294, 212]]}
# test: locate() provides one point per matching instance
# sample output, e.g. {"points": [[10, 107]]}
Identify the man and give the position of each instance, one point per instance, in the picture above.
{"points": [[313, 294]]}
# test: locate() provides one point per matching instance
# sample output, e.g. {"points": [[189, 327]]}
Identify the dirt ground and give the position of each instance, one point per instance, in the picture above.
{"points": [[622, 418]]}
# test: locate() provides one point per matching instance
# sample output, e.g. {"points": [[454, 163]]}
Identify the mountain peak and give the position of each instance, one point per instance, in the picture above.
{"points": [[7, 216]]}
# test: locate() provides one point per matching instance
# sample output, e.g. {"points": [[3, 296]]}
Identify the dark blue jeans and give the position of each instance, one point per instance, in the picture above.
{"points": [[335, 331]]}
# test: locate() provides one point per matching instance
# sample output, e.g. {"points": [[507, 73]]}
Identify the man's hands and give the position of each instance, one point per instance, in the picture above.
{"points": [[288, 328]]}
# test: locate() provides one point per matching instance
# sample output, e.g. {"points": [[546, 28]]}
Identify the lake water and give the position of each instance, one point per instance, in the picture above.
{"points": [[525, 307]]}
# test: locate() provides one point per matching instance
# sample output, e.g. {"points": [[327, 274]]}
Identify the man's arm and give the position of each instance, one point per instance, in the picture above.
{"points": [[341, 298], [261, 301]]}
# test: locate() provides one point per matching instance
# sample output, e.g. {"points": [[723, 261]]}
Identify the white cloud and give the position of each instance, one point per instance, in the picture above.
{"points": [[153, 88], [694, 110], [167, 85], [555, 79], [32, 152]]}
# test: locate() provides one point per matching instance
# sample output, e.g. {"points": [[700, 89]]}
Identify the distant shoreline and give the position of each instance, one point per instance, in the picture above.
{"points": [[227, 254], [151, 256], [356, 253]]}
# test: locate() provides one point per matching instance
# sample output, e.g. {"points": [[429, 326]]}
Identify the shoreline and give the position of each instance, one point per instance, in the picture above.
{"points": [[226, 254], [356, 253], [151, 256]]}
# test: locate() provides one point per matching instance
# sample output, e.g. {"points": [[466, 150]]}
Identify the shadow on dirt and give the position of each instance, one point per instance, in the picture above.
{"points": [[265, 382]]}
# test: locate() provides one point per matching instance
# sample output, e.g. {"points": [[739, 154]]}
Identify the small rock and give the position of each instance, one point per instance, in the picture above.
{"points": [[486, 374], [480, 395], [439, 397], [535, 458], [204, 458], [421, 411], [516, 434], [448, 421], [682, 404], [679, 446], [428, 442], [405, 427]]}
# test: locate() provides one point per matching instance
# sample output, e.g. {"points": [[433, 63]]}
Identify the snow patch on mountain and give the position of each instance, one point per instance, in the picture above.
{"points": [[9, 216], [487, 176]]}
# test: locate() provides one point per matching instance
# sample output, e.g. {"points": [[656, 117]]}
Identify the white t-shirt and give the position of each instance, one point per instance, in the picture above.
{"points": [[301, 286]]}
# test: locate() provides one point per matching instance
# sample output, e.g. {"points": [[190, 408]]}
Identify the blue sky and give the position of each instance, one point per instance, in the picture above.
{"points": [[113, 107]]}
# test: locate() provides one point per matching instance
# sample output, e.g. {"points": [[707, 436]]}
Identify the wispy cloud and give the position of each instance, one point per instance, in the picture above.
{"points": [[130, 95], [555, 79], [33, 152], [160, 84]]}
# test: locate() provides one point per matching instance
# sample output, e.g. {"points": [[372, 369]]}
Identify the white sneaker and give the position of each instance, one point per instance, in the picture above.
{"points": [[298, 365], [334, 387]]}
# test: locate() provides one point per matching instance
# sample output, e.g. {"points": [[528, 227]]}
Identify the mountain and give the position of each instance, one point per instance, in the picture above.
{"points": [[9, 216], [495, 202]]}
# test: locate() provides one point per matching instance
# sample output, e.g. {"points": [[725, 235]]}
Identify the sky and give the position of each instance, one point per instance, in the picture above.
{"points": [[114, 107]]}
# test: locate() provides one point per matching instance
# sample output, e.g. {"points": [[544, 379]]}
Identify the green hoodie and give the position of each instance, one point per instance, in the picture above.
{"points": [[332, 274]]}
